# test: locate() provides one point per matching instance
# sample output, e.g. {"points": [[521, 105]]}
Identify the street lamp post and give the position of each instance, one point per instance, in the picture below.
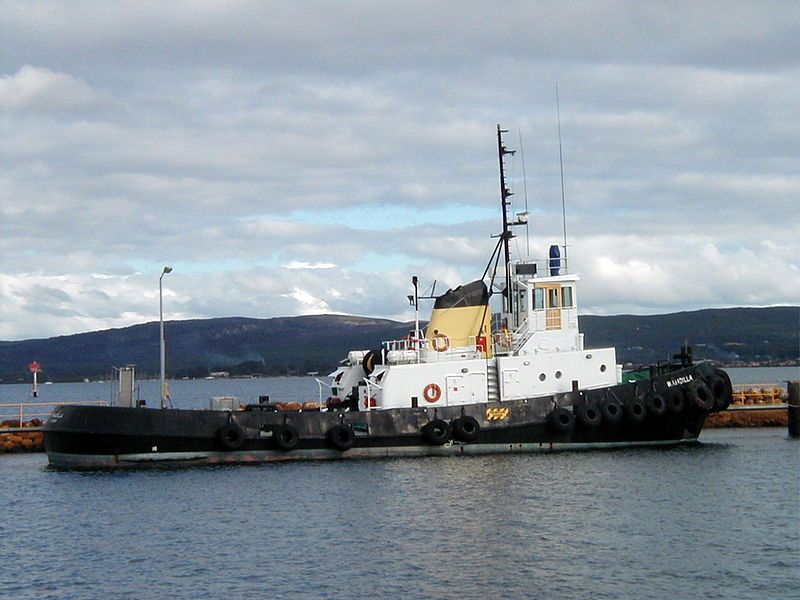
{"points": [[161, 322]]}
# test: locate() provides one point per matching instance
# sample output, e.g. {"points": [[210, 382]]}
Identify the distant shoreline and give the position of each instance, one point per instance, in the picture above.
{"points": [[627, 367]]}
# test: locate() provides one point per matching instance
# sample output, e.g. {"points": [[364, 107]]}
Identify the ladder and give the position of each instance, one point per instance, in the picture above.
{"points": [[492, 382]]}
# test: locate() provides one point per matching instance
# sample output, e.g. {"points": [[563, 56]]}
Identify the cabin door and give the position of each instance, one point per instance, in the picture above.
{"points": [[477, 387], [553, 306], [456, 389], [511, 385]]}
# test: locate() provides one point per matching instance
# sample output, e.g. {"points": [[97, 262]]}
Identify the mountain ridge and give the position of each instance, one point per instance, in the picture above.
{"points": [[295, 345]]}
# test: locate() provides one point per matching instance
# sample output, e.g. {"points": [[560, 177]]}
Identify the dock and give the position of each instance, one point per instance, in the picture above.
{"points": [[754, 405]]}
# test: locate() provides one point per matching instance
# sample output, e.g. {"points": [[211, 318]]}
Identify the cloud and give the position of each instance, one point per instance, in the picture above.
{"points": [[36, 89], [298, 264], [309, 305], [309, 157]]}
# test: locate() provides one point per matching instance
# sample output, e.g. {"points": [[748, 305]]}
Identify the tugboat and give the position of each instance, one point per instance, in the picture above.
{"points": [[471, 383]]}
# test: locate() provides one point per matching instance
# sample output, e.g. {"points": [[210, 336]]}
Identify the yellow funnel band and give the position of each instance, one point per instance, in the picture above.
{"points": [[462, 326]]}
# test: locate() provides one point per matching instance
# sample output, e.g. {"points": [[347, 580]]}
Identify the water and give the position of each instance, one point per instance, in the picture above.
{"points": [[715, 521], [776, 375], [196, 393], [184, 393], [718, 520]]}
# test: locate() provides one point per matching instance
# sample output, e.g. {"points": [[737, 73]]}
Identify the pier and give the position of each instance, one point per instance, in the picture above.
{"points": [[754, 405]]}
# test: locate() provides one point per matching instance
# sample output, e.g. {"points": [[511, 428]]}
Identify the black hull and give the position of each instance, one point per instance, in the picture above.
{"points": [[108, 437]]}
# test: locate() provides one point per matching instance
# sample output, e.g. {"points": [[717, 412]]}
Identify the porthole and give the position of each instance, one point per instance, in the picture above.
{"points": [[558, 374], [542, 376], [603, 368]]}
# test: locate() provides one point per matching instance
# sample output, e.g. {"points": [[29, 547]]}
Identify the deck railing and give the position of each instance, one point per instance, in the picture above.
{"points": [[441, 348], [20, 411]]}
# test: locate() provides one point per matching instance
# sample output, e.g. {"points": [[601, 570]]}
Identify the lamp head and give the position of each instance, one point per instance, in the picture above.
{"points": [[167, 270]]}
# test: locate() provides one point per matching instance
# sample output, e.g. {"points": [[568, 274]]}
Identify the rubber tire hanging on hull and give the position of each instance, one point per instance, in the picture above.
{"points": [[436, 432], [466, 429], [231, 436], [285, 436], [340, 437], [612, 411], [589, 415], [635, 410], [721, 390], [562, 420], [675, 401], [700, 396], [656, 405]]}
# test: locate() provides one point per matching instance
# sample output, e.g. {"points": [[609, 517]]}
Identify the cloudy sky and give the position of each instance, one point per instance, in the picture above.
{"points": [[293, 158]]}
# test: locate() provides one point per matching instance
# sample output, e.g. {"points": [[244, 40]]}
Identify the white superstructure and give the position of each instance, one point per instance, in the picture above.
{"points": [[534, 350]]}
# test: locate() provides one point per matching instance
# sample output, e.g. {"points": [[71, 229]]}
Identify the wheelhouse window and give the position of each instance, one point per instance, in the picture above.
{"points": [[538, 299], [521, 306], [566, 297], [522, 299], [552, 298]]}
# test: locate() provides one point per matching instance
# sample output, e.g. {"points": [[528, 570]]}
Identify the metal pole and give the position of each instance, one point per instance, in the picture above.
{"points": [[793, 408], [161, 324], [416, 341]]}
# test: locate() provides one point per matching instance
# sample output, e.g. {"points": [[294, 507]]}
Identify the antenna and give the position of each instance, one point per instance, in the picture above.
{"points": [[561, 165], [525, 188]]}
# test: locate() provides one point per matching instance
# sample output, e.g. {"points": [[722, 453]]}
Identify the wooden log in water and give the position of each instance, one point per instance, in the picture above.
{"points": [[767, 417]]}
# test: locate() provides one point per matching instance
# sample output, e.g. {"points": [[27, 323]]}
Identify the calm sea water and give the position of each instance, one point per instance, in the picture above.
{"points": [[196, 393], [717, 520]]}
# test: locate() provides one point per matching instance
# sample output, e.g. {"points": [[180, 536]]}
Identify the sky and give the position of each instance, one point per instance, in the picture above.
{"points": [[293, 158]]}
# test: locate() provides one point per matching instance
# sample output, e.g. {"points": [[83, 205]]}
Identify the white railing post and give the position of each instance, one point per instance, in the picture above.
{"points": [[369, 392], [6, 410], [320, 383]]}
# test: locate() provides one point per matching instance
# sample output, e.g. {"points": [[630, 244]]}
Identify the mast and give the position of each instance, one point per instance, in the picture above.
{"points": [[561, 166], [505, 202]]}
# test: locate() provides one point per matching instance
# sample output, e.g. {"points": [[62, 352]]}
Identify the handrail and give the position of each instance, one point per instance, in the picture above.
{"points": [[542, 264], [320, 383], [369, 393], [21, 415], [424, 344], [522, 326]]}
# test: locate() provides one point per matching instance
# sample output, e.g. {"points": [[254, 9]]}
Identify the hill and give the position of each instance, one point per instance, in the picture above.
{"points": [[293, 345], [727, 335]]}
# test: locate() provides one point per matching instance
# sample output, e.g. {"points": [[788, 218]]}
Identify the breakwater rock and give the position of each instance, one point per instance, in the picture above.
{"points": [[15, 438], [765, 417]]}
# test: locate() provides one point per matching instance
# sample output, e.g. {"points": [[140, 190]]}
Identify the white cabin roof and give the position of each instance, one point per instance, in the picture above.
{"points": [[569, 278]]}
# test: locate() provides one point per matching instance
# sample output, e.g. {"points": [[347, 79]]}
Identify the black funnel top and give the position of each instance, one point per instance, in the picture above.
{"points": [[469, 294]]}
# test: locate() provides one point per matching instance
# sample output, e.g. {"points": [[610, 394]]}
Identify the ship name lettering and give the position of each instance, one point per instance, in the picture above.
{"points": [[679, 380]]}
